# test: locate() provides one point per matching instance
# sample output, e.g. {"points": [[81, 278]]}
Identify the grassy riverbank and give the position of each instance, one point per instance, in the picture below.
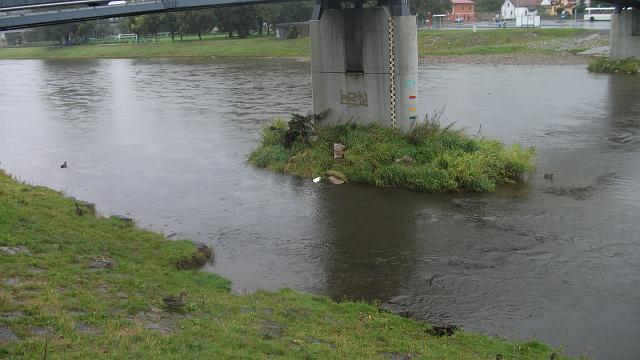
{"points": [[507, 41], [220, 47], [606, 65], [431, 157], [435, 43], [55, 301]]}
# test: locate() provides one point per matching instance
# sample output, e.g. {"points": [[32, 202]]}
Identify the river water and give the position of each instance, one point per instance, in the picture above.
{"points": [[166, 142]]}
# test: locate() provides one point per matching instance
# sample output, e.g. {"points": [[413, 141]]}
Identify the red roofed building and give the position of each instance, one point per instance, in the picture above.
{"points": [[463, 10]]}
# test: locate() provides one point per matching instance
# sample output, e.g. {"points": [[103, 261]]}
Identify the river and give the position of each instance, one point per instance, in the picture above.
{"points": [[166, 142]]}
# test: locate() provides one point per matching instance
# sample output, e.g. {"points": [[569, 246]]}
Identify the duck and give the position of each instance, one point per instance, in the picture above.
{"points": [[64, 165], [548, 176]]}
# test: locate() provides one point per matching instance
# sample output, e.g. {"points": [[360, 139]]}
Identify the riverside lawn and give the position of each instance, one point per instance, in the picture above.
{"points": [[56, 304]]}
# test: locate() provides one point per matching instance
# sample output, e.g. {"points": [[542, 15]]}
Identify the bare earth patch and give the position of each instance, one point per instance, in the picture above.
{"points": [[6, 335], [87, 329], [158, 320], [14, 250], [11, 315], [40, 331]]}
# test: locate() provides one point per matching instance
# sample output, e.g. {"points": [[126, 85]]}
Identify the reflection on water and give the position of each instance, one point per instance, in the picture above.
{"points": [[622, 109], [77, 100], [166, 141], [368, 238]]}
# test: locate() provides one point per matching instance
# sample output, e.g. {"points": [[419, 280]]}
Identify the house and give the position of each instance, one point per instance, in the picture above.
{"points": [[562, 7], [513, 8], [549, 6], [462, 10]]}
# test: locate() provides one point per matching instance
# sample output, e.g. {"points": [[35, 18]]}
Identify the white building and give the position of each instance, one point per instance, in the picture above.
{"points": [[523, 11], [516, 8], [528, 20]]}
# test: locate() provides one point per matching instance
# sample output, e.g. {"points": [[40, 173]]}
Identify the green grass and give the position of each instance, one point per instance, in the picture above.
{"points": [[430, 42], [489, 42], [606, 65], [263, 46], [56, 290], [444, 159]]}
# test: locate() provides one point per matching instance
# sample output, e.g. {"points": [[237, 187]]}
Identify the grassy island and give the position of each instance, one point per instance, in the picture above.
{"points": [[77, 286], [606, 65], [430, 157]]}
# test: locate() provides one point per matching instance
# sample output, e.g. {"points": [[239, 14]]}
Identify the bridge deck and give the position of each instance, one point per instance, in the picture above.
{"points": [[52, 17], [32, 19]]}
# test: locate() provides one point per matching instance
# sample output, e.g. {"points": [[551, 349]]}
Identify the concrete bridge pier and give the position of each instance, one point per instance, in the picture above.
{"points": [[364, 63], [625, 34]]}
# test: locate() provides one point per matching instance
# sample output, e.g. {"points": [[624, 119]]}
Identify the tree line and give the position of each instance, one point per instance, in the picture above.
{"points": [[235, 21]]}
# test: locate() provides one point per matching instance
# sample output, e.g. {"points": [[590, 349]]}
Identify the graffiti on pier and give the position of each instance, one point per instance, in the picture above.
{"points": [[354, 98]]}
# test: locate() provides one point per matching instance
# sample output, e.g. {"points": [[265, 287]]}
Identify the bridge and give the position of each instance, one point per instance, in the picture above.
{"points": [[625, 30], [39, 12], [364, 60]]}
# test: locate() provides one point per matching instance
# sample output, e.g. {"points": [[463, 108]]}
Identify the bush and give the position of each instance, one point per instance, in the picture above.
{"points": [[606, 65]]}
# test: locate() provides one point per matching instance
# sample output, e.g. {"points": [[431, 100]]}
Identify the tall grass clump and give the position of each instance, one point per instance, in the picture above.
{"points": [[606, 65], [432, 157]]}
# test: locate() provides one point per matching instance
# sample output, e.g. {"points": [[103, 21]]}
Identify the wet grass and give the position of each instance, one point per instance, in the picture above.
{"points": [[260, 46], [430, 42], [442, 159], [91, 313], [606, 65]]}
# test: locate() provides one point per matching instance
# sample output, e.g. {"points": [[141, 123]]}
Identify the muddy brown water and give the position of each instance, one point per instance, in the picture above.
{"points": [[165, 141]]}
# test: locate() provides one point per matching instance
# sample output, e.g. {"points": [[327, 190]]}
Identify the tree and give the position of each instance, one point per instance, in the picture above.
{"points": [[579, 8], [195, 22], [272, 14], [152, 24], [81, 32], [489, 5], [145, 25], [14, 38], [59, 33], [239, 19], [170, 22], [134, 25], [424, 7]]}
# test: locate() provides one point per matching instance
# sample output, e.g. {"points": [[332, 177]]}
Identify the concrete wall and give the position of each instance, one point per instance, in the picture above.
{"points": [[364, 97], [625, 35]]}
